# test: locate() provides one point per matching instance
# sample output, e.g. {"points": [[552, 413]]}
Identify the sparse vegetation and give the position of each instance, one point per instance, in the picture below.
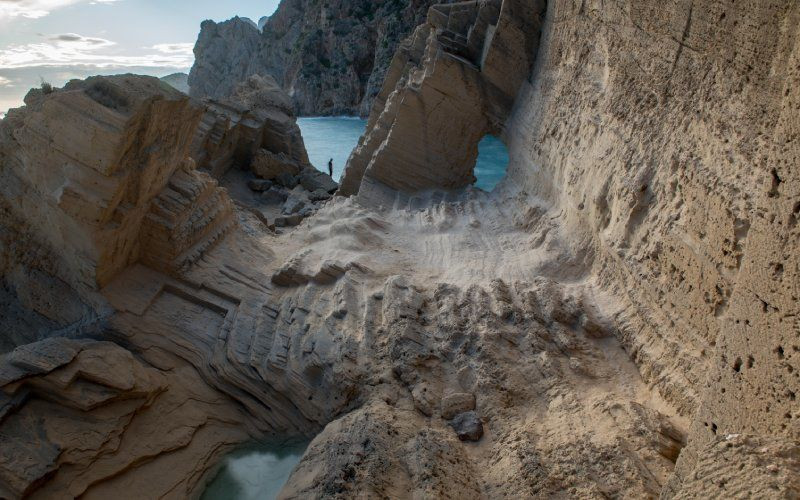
{"points": [[46, 87]]}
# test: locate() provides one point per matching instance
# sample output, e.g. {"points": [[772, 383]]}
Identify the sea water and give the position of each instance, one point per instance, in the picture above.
{"points": [[254, 472], [329, 137], [336, 137], [492, 163]]}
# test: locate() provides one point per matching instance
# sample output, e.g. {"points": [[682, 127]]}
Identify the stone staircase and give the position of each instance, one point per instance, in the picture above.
{"points": [[189, 217]]}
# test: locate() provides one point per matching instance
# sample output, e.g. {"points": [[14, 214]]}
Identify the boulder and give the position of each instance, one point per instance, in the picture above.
{"points": [[259, 185], [293, 205], [269, 165], [456, 403], [308, 211], [286, 180], [314, 180], [289, 220], [320, 195], [274, 196], [468, 426]]}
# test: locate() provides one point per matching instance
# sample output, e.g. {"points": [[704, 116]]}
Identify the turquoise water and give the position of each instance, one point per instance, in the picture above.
{"points": [[331, 137], [492, 163], [335, 137], [254, 472]]}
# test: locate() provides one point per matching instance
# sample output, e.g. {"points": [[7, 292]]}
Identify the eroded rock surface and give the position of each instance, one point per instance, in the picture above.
{"points": [[251, 140], [258, 116], [331, 56], [617, 319], [453, 82]]}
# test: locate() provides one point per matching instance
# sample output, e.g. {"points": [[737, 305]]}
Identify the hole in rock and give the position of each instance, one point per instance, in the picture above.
{"points": [[255, 471], [492, 162], [331, 137]]}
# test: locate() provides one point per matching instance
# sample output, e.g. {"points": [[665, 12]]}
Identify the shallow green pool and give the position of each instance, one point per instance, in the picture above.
{"points": [[254, 472]]}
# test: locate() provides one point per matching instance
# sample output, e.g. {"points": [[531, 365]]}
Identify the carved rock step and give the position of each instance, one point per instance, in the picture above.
{"points": [[193, 254], [187, 218]]}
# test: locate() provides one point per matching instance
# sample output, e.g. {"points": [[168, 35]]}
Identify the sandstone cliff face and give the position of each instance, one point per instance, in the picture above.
{"points": [[331, 57], [641, 133], [455, 80], [668, 140], [257, 116], [96, 177], [83, 186], [618, 319]]}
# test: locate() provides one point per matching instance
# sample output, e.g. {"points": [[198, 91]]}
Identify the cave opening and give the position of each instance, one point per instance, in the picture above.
{"points": [[491, 164]]}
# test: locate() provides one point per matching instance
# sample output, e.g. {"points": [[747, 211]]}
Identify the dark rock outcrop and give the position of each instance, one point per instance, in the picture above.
{"points": [[331, 56], [468, 426]]}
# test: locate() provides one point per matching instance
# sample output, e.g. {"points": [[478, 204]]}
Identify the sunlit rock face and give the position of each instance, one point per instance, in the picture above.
{"points": [[617, 319], [666, 139], [453, 82], [82, 165]]}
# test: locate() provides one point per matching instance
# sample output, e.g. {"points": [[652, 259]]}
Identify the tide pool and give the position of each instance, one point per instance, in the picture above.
{"points": [[254, 472], [335, 137]]}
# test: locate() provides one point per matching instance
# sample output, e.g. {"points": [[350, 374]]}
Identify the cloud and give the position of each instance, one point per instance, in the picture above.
{"points": [[175, 48], [34, 9], [5, 82], [85, 40], [70, 49]]}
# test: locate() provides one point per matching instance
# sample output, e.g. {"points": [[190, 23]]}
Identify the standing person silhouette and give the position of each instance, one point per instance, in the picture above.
{"points": [[330, 167]]}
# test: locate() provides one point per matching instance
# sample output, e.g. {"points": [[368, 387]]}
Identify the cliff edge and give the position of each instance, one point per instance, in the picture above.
{"points": [[331, 57]]}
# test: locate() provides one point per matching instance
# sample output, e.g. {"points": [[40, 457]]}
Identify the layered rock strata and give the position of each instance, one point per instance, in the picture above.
{"points": [[81, 165], [617, 319], [454, 80], [252, 139], [667, 143], [258, 116], [97, 177], [331, 57]]}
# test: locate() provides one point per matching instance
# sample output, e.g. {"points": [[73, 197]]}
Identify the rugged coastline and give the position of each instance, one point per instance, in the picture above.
{"points": [[331, 57], [618, 318]]}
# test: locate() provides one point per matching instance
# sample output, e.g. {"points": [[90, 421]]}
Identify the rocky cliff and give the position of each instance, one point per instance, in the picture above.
{"points": [[331, 57], [665, 144], [616, 319], [179, 81]]}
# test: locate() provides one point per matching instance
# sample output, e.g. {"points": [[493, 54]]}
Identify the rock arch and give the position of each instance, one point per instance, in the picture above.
{"points": [[450, 85]]}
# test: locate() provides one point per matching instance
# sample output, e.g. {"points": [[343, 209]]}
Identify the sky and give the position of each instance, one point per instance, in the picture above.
{"points": [[58, 40]]}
